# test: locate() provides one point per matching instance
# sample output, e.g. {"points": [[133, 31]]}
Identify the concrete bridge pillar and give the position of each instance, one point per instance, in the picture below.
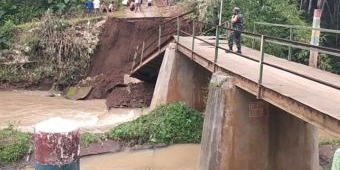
{"points": [[181, 79], [234, 140]]}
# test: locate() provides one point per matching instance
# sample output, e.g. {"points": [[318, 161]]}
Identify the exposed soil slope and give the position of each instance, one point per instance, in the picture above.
{"points": [[113, 58]]}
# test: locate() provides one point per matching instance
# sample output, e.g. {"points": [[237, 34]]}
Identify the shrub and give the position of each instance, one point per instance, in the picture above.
{"points": [[13, 145], [171, 123], [6, 34], [63, 49], [87, 138]]}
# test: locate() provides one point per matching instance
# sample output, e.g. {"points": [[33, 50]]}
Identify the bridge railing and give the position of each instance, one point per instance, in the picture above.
{"points": [[152, 44], [264, 41], [292, 29], [193, 28]]}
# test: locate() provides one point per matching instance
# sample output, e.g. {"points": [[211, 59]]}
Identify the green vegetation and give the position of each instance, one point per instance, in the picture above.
{"points": [[167, 124], [58, 52], [330, 142], [87, 138], [6, 34], [13, 145], [29, 10], [27, 13], [172, 123], [51, 47], [284, 12], [15, 12]]}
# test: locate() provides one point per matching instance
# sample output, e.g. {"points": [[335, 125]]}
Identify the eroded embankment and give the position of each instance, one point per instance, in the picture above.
{"points": [[113, 59]]}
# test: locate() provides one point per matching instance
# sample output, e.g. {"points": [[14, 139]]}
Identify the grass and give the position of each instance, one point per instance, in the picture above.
{"points": [[87, 138], [13, 145], [167, 124]]}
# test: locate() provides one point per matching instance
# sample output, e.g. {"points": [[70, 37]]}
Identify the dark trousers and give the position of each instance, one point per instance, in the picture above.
{"points": [[235, 36]]}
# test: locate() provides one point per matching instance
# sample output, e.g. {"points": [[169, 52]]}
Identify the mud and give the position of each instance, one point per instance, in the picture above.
{"points": [[134, 95], [113, 58]]}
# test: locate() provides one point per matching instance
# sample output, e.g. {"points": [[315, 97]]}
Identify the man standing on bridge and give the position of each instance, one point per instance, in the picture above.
{"points": [[237, 25]]}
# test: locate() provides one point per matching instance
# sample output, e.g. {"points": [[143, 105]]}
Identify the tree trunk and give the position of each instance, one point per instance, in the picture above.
{"points": [[321, 5], [310, 7]]}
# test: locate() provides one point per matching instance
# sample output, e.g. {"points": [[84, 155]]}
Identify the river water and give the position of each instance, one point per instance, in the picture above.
{"points": [[177, 157], [26, 108]]}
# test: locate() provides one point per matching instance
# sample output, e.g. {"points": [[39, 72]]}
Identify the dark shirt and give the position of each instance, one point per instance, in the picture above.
{"points": [[89, 5]]}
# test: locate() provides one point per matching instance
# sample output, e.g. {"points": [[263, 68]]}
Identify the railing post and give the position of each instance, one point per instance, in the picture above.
{"points": [[216, 45], [193, 39], [259, 84], [134, 61], [290, 48], [315, 38], [228, 32], [159, 37], [142, 55], [178, 29], [254, 31]]}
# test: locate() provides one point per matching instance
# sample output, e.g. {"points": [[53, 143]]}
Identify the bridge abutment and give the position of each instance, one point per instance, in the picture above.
{"points": [[180, 79], [234, 140]]}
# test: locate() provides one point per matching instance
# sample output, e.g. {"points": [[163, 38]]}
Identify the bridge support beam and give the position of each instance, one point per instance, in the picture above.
{"points": [[234, 140], [181, 79]]}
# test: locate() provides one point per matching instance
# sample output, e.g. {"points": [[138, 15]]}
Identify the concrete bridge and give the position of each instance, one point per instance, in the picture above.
{"points": [[261, 112]]}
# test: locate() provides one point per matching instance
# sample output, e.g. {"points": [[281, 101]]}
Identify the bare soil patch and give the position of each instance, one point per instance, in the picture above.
{"points": [[113, 58]]}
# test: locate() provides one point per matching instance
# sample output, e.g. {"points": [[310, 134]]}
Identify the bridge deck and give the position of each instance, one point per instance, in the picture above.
{"points": [[315, 96]]}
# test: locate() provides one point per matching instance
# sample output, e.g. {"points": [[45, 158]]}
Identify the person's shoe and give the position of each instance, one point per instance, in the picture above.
{"points": [[230, 49], [239, 51]]}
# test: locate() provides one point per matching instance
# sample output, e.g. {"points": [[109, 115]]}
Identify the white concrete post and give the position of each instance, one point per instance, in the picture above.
{"points": [[313, 57]]}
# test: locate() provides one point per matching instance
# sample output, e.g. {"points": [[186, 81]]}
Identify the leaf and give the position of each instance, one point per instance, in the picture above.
{"points": [[14, 7], [50, 1], [66, 1], [2, 12]]}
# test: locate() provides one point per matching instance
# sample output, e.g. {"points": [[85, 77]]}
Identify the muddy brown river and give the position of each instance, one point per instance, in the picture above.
{"points": [[26, 108], [177, 157]]}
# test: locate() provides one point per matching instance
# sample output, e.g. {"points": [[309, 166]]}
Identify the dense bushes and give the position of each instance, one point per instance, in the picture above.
{"points": [[62, 50], [7, 32], [172, 123], [20, 11]]}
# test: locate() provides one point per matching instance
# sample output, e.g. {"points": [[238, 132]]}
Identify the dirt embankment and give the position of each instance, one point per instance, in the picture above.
{"points": [[113, 59]]}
